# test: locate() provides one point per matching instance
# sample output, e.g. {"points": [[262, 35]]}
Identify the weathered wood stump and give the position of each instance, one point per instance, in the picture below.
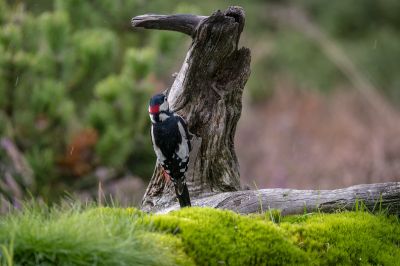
{"points": [[207, 91]]}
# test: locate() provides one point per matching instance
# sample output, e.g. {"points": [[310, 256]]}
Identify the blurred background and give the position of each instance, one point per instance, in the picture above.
{"points": [[321, 107]]}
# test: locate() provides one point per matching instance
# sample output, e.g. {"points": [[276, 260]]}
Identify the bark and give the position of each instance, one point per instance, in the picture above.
{"points": [[207, 92], [373, 197]]}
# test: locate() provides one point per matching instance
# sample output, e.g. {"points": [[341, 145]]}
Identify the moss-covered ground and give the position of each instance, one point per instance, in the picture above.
{"points": [[195, 236]]}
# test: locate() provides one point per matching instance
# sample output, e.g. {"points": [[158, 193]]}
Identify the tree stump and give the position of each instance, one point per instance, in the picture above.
{"points": [[207, 92]]}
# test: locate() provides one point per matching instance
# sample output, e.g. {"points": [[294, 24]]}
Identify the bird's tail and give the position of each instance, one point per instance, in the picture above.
{"points": [[182, 193]]}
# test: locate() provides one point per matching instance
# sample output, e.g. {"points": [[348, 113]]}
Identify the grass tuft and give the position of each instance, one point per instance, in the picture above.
{"points": [[78, 236]]}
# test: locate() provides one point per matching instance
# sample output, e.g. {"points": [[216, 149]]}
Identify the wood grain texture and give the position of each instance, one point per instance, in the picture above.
{"points": [[184, 23], [375, 197], [207, 92]]}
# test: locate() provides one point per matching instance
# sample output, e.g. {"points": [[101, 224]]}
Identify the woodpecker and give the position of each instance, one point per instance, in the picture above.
{"points": [[171, 143]]}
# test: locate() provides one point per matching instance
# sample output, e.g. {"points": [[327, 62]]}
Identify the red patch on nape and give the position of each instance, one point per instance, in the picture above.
{"points": [[155, 109]]}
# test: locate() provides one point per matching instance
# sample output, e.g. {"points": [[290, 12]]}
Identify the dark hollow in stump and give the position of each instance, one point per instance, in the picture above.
{"points": [[207, 92]]}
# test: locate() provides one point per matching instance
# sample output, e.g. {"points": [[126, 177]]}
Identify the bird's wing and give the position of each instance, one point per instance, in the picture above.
{"points": [[160, 156], [187, 134], [183, 149]]}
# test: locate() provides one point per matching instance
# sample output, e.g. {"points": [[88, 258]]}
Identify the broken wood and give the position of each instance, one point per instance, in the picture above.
{"points": [[207, 92], [184, 23]]}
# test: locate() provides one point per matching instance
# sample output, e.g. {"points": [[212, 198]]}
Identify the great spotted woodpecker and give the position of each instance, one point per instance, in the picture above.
{"points": [[171, 143]]}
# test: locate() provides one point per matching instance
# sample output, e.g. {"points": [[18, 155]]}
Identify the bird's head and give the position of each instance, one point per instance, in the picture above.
{"points": [[158, 103], [159, 107]]}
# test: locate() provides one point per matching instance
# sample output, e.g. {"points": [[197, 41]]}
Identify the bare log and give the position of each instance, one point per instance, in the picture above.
{"points": [[374, 197], [207, 92]]}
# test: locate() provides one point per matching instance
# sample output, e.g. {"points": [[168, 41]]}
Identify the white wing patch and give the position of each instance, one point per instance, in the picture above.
{"points": [[160, 156], [183, 148]]}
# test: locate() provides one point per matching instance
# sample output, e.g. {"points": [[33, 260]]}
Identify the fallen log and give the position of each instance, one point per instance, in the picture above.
{"points": [[381, 197]]}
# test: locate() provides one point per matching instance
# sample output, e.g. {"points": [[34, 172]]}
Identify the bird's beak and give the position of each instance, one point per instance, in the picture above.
{"points": [[155, 109]]}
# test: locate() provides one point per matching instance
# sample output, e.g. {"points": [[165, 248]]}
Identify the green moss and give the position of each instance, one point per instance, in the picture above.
{"points": [[173, 245], [215, 237], [349, 238], [195, 236]]}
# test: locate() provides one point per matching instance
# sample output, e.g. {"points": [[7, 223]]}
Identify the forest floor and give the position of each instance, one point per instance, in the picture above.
{"points": [[79, 235]]}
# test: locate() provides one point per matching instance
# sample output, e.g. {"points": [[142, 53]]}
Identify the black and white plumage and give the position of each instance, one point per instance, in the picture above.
{"points": [[171, 143]]}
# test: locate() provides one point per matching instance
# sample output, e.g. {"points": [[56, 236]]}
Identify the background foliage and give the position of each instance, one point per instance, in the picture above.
{"points": [[74, 89], [75, 78]]}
